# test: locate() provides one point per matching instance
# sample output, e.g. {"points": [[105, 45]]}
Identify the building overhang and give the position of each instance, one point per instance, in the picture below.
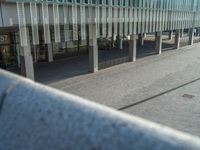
{"points": [[39, 1]]}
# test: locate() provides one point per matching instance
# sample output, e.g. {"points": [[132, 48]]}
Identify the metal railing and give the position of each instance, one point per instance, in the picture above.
{"points": [[35, 117]]}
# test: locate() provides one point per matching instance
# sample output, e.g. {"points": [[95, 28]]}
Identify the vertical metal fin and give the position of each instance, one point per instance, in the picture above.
{"points": [[103, 21], [130, 21], [97, 20], [83, 22], [56, 21], [121, 20], [45, 17], [74, 22], [34, 23], [66, 23], [115, 20], [22, 24], [126, 21], [109, 21]]}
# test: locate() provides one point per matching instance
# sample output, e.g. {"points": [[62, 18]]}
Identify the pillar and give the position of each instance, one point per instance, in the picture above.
{"points": [[132, 48], [197, 31], [26, 59], [114, 37], [35, 52], [18, 55], [141, 39], [38, 53], [191, 36], [182, 33], [159, 42], [170, 35], [121, 44], [177, 39], [93, 49], [63, 45], [50, 52]]}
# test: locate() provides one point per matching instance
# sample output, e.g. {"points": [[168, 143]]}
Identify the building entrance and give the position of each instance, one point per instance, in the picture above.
{"points": [[8, 56]]}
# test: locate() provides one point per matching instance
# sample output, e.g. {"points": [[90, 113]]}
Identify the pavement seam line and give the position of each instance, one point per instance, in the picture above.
{"points": [[6, 92], [155, 96]]}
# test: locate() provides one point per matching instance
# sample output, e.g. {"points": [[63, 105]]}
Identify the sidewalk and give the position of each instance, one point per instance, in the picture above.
{"points": [[131, 83]]}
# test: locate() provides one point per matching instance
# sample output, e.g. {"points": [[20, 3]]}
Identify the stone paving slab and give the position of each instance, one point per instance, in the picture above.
{"points": [[179, 109], [131, 83]]}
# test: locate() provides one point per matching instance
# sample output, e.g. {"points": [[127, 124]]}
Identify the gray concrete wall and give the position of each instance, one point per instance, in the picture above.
{"points": [[35, 117]]}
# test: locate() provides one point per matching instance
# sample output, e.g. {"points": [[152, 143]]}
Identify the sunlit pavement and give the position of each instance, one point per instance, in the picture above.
{"points": [[164, 88]]}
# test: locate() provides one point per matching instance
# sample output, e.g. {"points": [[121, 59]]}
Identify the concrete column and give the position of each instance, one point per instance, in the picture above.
{"points": [[191, 36], [177, 39], [132, 48], [114, 37], [50, 52], [93, 49], [182, 33], [38, 53], [26, 60], [63, 45], [121, 44], [35, 52], [159, 42], [170, 35], [18, 55], [141, 39], [198, 31]]}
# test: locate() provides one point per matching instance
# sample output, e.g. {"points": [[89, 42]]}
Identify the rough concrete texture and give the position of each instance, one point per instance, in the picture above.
{"points": [[132, 83], [178, 107], [34, 117]]}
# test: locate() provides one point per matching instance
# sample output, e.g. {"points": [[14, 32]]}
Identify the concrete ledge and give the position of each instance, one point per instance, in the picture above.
{"points": [[35, 117]]}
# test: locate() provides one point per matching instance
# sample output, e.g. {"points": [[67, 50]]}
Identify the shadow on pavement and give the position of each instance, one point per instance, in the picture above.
{"points": [[59, 70]]}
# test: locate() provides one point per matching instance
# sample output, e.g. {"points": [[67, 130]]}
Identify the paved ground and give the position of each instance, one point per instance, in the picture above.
{"points": [[164, 89]]}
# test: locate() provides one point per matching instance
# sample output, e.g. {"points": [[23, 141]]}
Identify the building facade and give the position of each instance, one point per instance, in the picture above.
{"points": [[44, 30]]}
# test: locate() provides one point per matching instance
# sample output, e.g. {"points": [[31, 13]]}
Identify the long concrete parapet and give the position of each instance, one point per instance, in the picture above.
{"points": [[35, 117]]}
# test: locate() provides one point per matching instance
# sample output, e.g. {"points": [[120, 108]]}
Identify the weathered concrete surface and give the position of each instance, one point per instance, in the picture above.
{"points": [[178, 108], [130, 83], [34, 117]]}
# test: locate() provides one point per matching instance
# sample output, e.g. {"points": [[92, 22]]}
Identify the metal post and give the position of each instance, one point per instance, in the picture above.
{"points": [[177, 39], [93, 49], [26, 59], [191, 36], [132, 48], [170, 35], [159, 43], [141, 39], [50, 52]]}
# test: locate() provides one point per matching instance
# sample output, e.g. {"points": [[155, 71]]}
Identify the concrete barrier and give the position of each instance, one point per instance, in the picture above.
{"points": [[35, 117]]}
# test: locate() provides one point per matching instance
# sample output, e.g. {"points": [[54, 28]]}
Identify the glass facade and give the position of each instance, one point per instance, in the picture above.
{"points": [[125, 16], [7, 50], [159, 4]]}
